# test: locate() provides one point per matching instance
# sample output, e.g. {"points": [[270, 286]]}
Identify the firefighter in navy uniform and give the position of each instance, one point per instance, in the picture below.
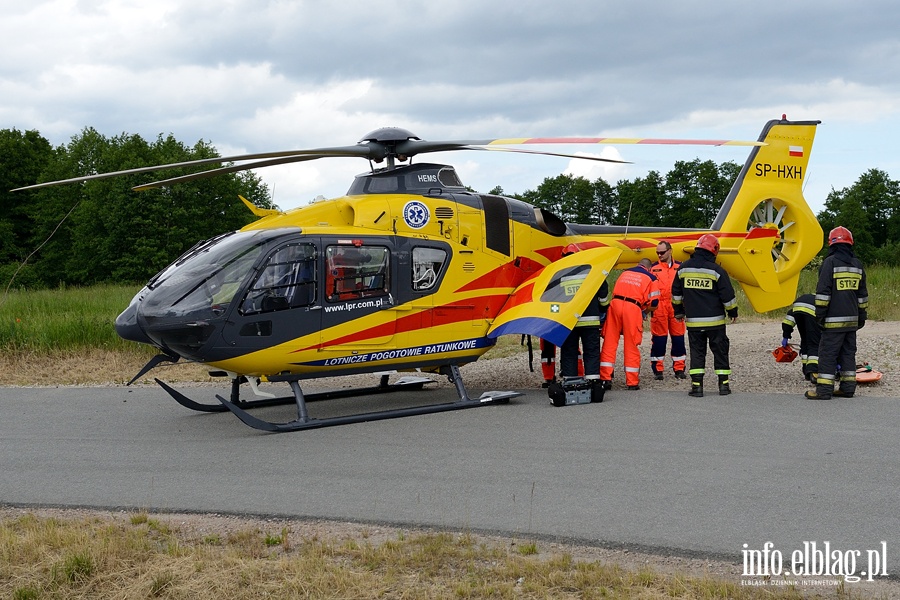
{"points": [[802, 315], [702, 295], [842, 300]]}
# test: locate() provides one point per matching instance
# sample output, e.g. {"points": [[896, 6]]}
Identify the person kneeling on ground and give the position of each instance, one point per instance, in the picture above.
{"points": [[802, 315]]}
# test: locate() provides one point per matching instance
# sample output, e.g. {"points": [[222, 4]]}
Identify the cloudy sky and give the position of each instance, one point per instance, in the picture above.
{"points": [[257, 75]]}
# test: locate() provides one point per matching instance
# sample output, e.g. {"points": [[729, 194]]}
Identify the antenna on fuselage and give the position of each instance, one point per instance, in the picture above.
{"points": [[628, 220]]}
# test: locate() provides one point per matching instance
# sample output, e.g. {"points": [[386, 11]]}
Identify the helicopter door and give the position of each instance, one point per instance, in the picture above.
{"points": [[357, 292], [280, 303], [548, 304], [416, 312]]}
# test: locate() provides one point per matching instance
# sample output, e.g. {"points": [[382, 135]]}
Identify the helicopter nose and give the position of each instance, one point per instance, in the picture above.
{"points": [[127, 326]]}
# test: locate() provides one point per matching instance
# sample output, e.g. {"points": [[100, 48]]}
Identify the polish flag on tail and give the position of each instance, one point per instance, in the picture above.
{"points": [[796, 151]]}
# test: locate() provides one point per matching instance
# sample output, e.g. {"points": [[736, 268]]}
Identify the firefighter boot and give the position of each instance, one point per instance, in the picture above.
{"points": [[817, 395], [696, 386], [724, 388], [822, 392]]}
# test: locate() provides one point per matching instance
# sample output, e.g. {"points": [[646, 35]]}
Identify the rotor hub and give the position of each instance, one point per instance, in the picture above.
{"points": [[389, 135]]}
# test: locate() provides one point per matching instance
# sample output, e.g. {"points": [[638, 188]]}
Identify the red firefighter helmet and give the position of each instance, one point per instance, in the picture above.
{"points": [[840, 235], [709, 242]]}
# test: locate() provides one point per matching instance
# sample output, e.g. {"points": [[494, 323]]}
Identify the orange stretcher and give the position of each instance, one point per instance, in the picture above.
{"points": [[866, 374]]}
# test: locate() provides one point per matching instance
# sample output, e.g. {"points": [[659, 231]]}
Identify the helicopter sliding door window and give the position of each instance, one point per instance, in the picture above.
{"points": [[288, 280], [427, 264], [354, 272], [565, 284]]}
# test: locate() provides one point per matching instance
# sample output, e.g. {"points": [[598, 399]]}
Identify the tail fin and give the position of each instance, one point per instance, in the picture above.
{"points": [[767, 200]]}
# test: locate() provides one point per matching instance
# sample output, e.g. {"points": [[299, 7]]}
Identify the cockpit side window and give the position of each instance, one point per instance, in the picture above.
{"points": [[427, 264], [288, 280], [353, 272]]}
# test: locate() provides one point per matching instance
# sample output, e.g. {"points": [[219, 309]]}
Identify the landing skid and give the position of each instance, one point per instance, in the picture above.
{"points": [[403, 384], [303, 421]]}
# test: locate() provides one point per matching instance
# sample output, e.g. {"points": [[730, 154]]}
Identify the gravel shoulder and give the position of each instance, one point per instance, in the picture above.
{"points": [[753, 367]]}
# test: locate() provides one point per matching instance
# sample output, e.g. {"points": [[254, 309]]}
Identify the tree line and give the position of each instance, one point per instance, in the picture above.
{"points": [[100, 231]]}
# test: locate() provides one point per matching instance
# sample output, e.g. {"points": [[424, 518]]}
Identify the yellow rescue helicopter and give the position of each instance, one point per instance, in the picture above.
{"points": [[410, 271]]}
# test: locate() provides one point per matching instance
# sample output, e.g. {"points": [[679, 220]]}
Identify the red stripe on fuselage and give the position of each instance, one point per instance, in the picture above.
{"points": [[508, 275], [554, 253], [522, 296]]}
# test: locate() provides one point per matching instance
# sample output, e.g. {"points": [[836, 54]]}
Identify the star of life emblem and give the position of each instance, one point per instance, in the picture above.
{"points": [[416, 214]]}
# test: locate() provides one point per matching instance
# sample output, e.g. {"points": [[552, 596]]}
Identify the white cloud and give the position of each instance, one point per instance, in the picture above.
{"points": [[591, 170]]}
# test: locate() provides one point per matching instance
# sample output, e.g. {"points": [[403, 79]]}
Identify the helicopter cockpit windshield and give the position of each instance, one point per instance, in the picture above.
{"points": [[204, 282]]}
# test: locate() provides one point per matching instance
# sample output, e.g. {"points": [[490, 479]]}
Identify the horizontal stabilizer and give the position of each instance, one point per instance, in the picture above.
{"points": [[751, 262], [763, 301]]}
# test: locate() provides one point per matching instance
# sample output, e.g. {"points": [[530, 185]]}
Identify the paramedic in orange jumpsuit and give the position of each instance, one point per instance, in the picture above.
{"points": [[635, 293], [663, 322]]}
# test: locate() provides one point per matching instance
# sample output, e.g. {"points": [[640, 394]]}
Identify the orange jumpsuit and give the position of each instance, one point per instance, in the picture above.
{"points": [[636, 291], [663, 323]]}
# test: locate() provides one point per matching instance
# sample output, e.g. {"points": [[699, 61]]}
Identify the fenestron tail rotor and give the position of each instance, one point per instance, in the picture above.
{"points": [[767, 214], [390, 144]]}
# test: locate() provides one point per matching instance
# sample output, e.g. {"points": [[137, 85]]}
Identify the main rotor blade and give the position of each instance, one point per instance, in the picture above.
{"points": [[374, 152], [521, 151], [618, 141], [413, 147], [230, 169]]}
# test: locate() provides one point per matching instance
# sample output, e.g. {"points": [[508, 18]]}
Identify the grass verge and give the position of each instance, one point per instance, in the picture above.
{"points": [[142, 556]]}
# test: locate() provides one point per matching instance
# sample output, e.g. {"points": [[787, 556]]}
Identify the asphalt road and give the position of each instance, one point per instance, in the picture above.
{"points": [[652, 471]]}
